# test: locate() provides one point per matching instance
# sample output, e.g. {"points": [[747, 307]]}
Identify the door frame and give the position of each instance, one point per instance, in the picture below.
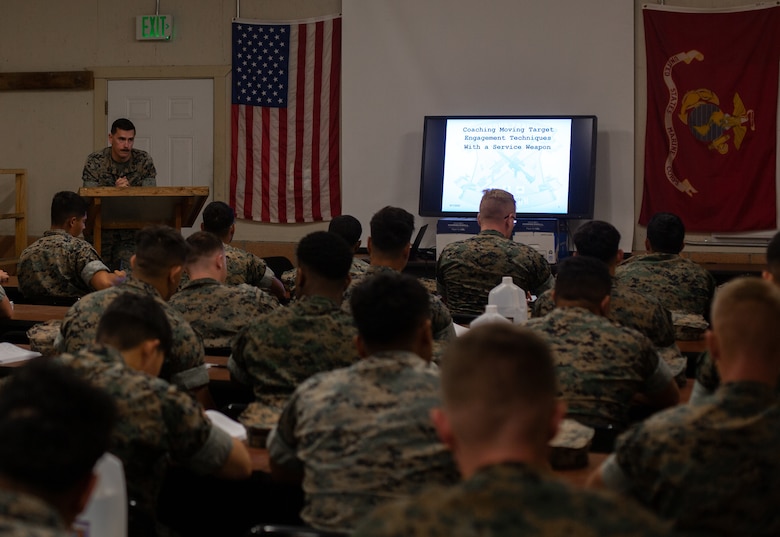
{"points": [[217, 73]]}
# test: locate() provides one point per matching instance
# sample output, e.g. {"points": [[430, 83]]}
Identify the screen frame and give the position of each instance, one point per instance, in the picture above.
{"points": [[582, 170]]}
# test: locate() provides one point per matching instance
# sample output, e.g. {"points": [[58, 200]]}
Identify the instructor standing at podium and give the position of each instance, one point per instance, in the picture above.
{"points": [[121, 166]]}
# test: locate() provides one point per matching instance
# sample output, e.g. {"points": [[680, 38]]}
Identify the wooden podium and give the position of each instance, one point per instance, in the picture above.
{"points": [[136, 207]]}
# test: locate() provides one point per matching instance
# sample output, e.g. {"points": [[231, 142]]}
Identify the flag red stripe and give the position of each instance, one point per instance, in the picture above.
{"points": [[265, 172], [334, 176], [300, 109], [282, 184], [249, 177]]}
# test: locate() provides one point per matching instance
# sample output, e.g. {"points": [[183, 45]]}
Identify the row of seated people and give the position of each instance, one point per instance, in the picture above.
{"points": [[314, 274]]}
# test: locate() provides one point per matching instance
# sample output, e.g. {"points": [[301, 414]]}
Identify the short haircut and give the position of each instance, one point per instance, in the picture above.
{"points": [[54, 424], [666, 233], [326, 254], [391, 229], [66, 204], [203, 244], [132, 319], [218, 216], [122, 124], [388, 308], [597, 239], [495, 203], [773, 257], [494, 374], [158, 249], [582, 278], [745, 316], [347, 227]]}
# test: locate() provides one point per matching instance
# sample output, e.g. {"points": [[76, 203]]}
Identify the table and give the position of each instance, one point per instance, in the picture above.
{"points": [[33, 313]]}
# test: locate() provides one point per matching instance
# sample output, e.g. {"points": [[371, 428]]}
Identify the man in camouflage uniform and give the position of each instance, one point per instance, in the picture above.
{"points": [[348, 228], [680, 285], [119, 165], [243, 267], [157, 266], [499, 412], [602, 366], [55, 427], [641, 312], [281, 349], [362, 435], [388, 248], [467, 270], [60, 264], [711, 467], [216, 311], [158, 424]]}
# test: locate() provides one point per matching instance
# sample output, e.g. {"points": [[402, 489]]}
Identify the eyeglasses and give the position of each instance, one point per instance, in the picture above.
{"points": [[513, 216]]}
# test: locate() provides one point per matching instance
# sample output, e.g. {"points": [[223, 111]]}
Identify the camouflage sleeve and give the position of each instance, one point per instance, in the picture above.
{"points": [[539, 272], [706, 372], [441, 320], [258, 273], [89, 262], [243, 345], [613, 476], [149, 173], [288, 279], [393, 519], [78, 327], [89, 176], [282, 441], [543, 304], [660, 377], [663, 327], [635, 451], [186, 366]]}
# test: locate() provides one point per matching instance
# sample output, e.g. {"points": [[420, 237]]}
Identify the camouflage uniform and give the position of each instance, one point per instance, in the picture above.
{"points": [[512, 499], [362, 435], [24, 515], [356, 271], [184, 367], [711, 467], [441, 320], [678, 283], [246, 267], [157, 424], [58, 265], [118, 246], [283, 348], [601, 365], [217, 312], [640, 312], [467, 270]]}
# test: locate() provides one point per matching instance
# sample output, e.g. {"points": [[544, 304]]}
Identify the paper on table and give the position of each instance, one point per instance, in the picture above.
{"points": [[11, 353], [231, 427]]}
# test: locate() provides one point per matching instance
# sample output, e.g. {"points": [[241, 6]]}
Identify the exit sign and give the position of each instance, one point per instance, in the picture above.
{"points": [[153, 27]]}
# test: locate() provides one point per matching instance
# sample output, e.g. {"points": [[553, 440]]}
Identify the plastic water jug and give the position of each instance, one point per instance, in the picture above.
{"points": [[491, 315], [106, 512], [510, 300]]}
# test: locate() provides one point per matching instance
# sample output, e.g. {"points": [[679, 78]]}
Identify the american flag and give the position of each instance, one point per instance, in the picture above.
{"points": [[285, 147]]}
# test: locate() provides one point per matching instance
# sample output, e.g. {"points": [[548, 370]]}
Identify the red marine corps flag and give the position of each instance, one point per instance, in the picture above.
{"points": [[710, 144]]}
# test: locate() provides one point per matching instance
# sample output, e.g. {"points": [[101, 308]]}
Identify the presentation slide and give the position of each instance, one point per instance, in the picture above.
{"points": [[528, 157]]}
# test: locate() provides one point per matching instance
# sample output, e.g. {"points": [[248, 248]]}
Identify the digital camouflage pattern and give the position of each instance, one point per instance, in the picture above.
{"points": [[281, 349], [102, 170], [678, 283], [642, 313], [356, 271], [570, 446], [711, 467], [58, 265], [689, 326], [511, 500], [246, 267], [441, 320], [217, 312], [157, 424], [362, 435], [184, 367], [601, 365], [24, 515], [467, 270]]}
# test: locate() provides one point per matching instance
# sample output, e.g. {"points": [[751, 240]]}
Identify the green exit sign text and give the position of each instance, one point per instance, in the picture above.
{"points": [[158, 27]]}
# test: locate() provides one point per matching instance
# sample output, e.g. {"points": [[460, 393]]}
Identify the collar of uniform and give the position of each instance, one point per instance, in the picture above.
{"points": [[398, 359], [380, 269], [572, 311], [29, 509], [746, 395], [491, 233], [315, 305], [201, 282], [143, 286], [654, 257], [51, 232], [511, 471]]}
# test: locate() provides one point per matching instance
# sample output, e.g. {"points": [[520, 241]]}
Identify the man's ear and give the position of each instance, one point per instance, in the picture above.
{"points": [[443, 428], [713, 345], [202, 226], [360, 345], [765, 274], [604, 306], [151, 357], [424, 343], [557, 417], [174, 278], [369, 247], [620, 255], [301, 279], [133, 260]]}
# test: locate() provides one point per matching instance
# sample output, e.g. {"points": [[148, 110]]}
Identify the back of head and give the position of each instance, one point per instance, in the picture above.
{"points": [[597, 239], [347, 227], [496, 204], [54, 426], [391, 229], [666, 233], [122, 124], [202, 245], [326, 255], [218, 216], [132, 319], [158, 249], [389, 308], [582, 278], [773, 258], [745, 319], [497, 375], [65, 205]]}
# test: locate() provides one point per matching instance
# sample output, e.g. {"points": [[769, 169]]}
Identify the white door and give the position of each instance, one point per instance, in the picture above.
{"points": [[174, 123]]}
